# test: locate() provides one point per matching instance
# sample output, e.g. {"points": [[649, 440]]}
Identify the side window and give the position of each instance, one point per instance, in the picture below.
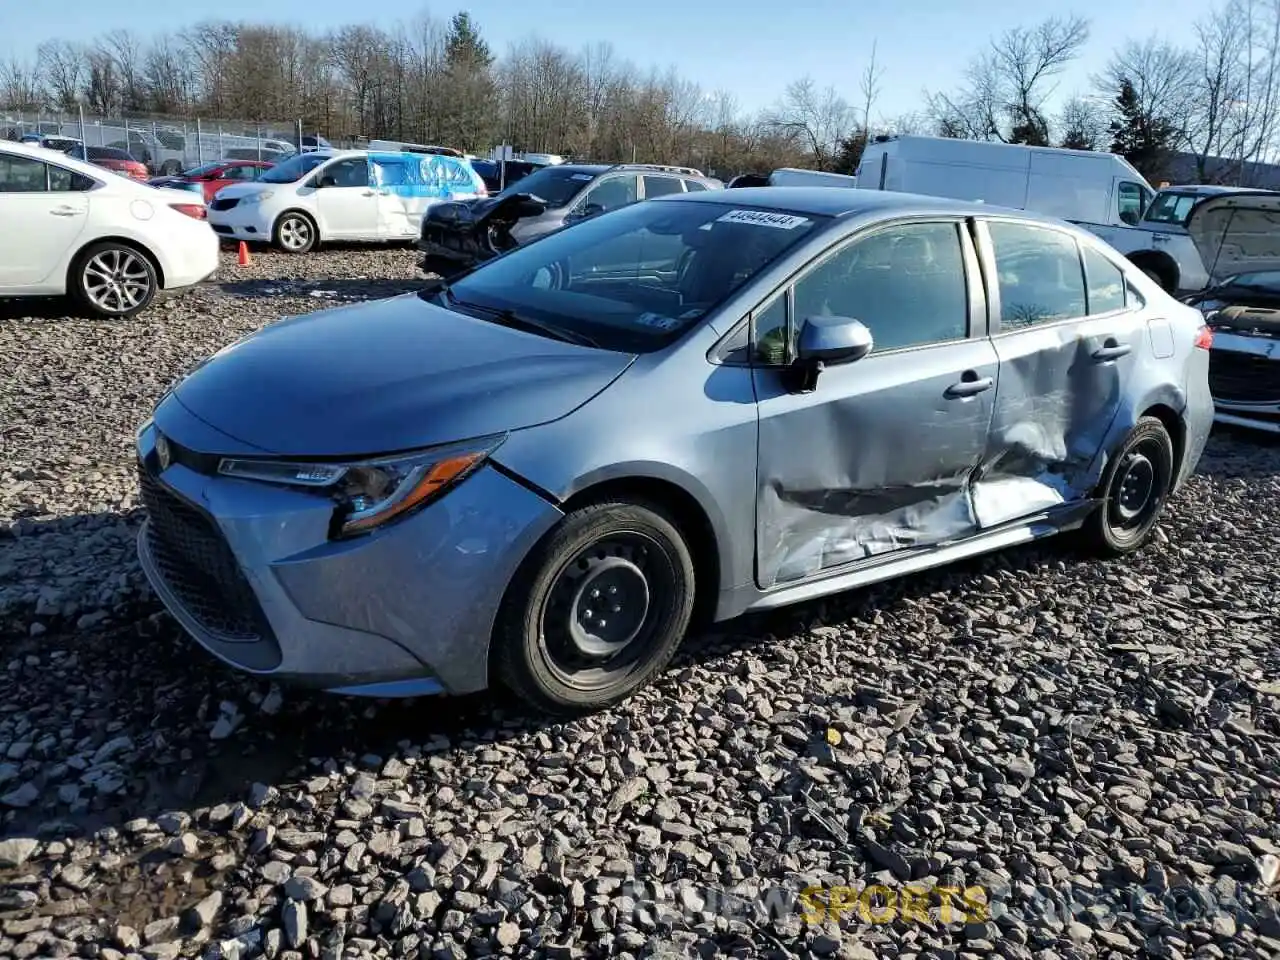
{"points": [[21, 175], [661, 186], [62, 180], [1038, 274], [614, 192], [1131, 202], [769, 332], [1106, 284], [693, 186], [906, 283], [348, 173]]}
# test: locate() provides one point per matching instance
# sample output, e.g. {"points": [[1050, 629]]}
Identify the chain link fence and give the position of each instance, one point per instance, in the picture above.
{"points": [[167, 145]]}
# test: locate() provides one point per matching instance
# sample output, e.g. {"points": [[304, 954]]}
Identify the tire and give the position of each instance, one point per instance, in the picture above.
{"points": [[113, 280], [612, 549], [170, 168], [294, 232], [1133, 491]]}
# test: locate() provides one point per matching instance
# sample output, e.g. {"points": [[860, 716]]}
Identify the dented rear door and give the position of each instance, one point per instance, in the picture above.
{"points": [[880, 456], [1065, 369]]}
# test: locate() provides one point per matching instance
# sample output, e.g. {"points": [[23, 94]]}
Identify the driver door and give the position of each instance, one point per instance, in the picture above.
{"points": [[346, 201], [880, 456]]}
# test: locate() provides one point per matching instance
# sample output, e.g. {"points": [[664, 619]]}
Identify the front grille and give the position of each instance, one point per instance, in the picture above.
{"points": [[198, 566], [225, 203], [1243, 377]]}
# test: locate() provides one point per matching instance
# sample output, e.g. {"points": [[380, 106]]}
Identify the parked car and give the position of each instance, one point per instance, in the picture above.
{"points": [[110, 242], [696, 406], [117, 161], [456, 236], [498, 177], [324, 195], [212, 177], [68, 145], [1238, 232]]}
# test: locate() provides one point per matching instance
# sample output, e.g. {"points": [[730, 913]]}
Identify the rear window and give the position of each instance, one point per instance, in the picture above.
{"points": [[107, 153]]}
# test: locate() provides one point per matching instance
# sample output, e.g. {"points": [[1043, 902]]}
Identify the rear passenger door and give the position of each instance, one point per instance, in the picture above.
{"points": [[1066, 327]]}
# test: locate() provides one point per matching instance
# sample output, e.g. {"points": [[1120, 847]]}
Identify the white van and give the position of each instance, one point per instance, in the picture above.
{"points": [[326, 195], [1082, 186], [1101, 192]]}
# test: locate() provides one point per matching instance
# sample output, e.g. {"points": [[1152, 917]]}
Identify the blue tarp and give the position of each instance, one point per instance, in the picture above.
{"points": [[424, 175]]}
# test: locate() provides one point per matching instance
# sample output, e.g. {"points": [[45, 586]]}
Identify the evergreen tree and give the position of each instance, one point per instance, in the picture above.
{"points": [[1145, 140], [470, 115]]}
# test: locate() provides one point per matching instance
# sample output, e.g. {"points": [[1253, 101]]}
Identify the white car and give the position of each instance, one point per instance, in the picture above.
{"points": [[110, 242], [341, 195]]}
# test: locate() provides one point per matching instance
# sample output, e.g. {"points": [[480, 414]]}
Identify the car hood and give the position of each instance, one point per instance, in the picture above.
{"points": [[387, 376], [238, 190], [1237, 233]]}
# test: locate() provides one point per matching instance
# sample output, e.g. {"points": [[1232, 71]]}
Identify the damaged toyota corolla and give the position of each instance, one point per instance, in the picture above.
{"points": [[545, 474]]}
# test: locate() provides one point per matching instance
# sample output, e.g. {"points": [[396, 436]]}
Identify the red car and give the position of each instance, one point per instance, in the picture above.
{"points": [[117, 161], [212, 177]]}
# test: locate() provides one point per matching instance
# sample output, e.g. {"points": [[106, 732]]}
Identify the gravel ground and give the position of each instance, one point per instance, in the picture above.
{"points": [[1094, 745]]}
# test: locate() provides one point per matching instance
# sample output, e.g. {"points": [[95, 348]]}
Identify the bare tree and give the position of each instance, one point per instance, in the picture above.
{"points": [[20, 85], [869, 87], [1006, 86], [1084, 124], [817, 119], [62, 65]]}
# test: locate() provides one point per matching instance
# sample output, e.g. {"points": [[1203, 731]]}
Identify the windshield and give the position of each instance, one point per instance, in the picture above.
{"points": [[1172, 208], [1265, 281], [556, 185], [202, 169], [637, 278], [294, 169]]}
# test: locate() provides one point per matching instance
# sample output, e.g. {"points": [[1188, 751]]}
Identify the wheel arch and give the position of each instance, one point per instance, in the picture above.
{"points": [[1160, 263], [130, 242], [301, 211]]}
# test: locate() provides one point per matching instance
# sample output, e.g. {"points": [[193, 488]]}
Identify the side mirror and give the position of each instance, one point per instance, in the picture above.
{"points": [[1130, 217], [586, 211], [328, 180], [827, 341]]}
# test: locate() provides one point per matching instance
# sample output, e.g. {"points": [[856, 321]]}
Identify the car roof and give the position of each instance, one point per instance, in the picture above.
{"points": [[45, 155], [842, 202]]}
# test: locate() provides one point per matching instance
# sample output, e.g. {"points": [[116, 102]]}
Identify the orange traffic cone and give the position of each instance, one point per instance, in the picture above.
{"points": [[244, 254]]}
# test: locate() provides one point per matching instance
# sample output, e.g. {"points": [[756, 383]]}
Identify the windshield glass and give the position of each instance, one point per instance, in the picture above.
{"points": [[294, 169], [1171, 208], [637, 278], [1267, 281], [556, 185], [202, 169]]}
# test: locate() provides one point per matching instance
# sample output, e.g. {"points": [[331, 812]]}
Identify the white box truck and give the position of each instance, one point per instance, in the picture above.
{"points": [[1099, 191]]}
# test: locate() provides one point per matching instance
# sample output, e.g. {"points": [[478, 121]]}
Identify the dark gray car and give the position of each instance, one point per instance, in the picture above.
{"points": [[544, 474], [457, 235]]}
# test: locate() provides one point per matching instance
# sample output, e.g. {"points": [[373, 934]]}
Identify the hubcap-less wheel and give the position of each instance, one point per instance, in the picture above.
{"points": [[116, 280], [599, 616], [1135, 496], [295, 234]]}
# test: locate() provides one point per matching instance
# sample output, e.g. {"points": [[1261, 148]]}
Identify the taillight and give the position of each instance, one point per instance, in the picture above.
{"points": [[196, 211], [1204, 338]]}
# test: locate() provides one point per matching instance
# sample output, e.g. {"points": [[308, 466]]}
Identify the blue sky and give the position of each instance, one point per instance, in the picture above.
{"points": [[753, 48]]}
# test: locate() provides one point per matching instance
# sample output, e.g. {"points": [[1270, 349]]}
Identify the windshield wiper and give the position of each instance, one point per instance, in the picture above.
{"points": [[509, 318]]}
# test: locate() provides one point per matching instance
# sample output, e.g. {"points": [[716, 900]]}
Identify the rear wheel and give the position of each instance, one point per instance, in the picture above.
{"points": [[294, 233], [113, 280], [1134, 491], [597, 610]]}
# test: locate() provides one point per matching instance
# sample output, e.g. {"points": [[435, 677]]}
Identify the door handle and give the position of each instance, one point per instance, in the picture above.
{"points": [[970, 387], [65, 212], [1111, 350]]}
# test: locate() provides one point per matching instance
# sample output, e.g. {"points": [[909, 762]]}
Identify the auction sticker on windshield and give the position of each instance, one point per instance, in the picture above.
{"points": [[761, 218]]}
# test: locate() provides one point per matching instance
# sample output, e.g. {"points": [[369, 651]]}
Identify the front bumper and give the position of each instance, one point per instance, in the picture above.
{"points": [[250, 223], [1244, 375], [249, 571]]}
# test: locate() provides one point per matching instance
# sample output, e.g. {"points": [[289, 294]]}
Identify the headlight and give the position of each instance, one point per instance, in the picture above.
{"points": [[256, 197], [371, 493]]}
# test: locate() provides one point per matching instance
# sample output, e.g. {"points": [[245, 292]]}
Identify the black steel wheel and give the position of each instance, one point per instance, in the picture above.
{"points": [[1134, 490], [597, 610]]}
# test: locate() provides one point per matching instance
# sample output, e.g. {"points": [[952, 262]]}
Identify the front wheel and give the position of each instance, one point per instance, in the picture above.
{"points": [[1134, 491], [295, 233], [597, 610]]}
